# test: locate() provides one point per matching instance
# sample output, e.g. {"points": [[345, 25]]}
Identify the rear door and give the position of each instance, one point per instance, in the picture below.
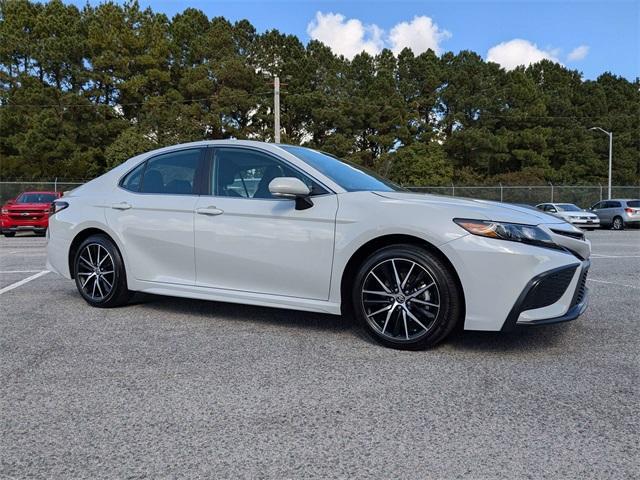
{"points": [[249, 241], [152, 212]]}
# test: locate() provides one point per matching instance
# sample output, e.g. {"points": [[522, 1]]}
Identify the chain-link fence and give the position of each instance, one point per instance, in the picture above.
{"points": [[583, 196], [9, 190]]}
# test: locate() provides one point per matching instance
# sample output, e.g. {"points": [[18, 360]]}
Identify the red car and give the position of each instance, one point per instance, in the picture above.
{"points": [[28, 212]]}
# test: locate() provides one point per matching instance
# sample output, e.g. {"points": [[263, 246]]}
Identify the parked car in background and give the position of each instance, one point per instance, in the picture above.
{"points": [[28, 212], [618, 213], [311, 232], [572, 214]]}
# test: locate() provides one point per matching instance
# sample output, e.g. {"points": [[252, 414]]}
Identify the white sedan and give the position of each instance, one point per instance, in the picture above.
{"points": [[571, 213], [286, 226]]}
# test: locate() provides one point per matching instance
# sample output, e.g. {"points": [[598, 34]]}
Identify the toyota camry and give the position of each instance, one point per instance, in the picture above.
{"points": [[290, 227]]}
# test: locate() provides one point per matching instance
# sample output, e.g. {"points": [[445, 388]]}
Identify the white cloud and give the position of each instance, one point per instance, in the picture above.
{"points": [[519, 52], [350, 37], [419, 35], [345, 37], [578, 53]]}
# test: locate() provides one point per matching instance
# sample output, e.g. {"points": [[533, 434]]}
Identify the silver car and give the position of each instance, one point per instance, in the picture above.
{"points": [[572, 214], [618, 213]]}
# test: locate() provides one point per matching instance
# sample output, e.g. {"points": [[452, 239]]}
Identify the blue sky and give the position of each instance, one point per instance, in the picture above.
{"points": [[590, 36]]}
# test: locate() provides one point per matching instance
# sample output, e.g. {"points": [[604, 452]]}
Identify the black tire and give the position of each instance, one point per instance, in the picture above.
{"points": [[96, 246], [618, 223], [9, 234], [431, 325]]}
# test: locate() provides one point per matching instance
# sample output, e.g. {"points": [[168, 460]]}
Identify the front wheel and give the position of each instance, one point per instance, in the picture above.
{"points": [[99, 273], [9, 234], [406, 298]]}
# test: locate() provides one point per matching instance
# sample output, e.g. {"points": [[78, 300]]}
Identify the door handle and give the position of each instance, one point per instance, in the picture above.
{"points": [[210, 210], [121, 206]]}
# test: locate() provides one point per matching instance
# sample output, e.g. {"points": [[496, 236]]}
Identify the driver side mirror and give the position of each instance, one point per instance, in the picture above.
{"points": [[292, 188]]}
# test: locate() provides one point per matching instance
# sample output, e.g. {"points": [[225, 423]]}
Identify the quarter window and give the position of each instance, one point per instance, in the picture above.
{"points": [[133, 179], [245, 173], [171, 173]]}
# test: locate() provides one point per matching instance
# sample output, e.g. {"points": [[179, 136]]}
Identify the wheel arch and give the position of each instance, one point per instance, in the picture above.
{"points": [[81, 237], [375, 244]]}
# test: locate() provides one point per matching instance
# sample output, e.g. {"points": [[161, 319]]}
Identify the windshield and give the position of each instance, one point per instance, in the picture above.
{"points": [[568, 207], [351, 177], [36, 198]]}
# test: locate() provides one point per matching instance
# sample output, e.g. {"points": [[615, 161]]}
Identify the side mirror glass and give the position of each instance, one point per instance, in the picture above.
{"points": [[293, 188]]}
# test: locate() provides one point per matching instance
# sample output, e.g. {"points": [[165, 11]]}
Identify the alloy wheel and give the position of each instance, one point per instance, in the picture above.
{"points": [[617, 223], [401, 299], [96, 272]]}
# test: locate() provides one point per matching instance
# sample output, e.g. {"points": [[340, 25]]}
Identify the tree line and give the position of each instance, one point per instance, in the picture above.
{"points": [[82, 90]]}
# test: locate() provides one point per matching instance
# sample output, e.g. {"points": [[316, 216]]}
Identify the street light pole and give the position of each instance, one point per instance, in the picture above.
{"points": [[610, 156]]}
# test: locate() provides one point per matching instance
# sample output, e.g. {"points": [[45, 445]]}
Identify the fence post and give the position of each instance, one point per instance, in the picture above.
{"points": [[453, 190], [501, 193], [600, 192], [551, 191], [55, 185]]}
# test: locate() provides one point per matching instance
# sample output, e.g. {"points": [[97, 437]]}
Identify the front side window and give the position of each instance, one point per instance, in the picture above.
{"points": [[171, 173], [246, 173], [597, 206]]}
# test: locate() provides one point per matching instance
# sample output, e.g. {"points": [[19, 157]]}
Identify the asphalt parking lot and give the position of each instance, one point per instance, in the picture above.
{"points": [[171, 388]]}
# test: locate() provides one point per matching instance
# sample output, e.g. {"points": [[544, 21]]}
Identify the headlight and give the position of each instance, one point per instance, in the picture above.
{"points": [[4, 211], [57, 206], [514, 232]]}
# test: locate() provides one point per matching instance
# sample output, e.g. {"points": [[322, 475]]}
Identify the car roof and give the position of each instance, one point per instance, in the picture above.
{"points": [[40, 191]]}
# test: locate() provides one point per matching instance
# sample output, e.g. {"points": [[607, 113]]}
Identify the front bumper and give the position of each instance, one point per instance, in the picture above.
{"points": [[555, 296], [585, 223], [13, 225]]}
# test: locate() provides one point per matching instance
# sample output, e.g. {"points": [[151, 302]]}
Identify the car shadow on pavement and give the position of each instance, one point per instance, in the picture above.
{"points": [[522, 338], [239, 312]]}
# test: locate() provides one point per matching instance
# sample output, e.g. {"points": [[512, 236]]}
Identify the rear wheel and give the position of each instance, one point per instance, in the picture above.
{"points": [[618, 223], [406, 298], [99, 273]]}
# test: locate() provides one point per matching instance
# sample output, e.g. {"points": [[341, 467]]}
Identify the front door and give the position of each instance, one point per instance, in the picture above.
{"points": [[249, 241]]}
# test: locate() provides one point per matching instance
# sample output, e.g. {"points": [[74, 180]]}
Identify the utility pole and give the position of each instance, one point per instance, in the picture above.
{"points": [[610, 155], [276, 109]]}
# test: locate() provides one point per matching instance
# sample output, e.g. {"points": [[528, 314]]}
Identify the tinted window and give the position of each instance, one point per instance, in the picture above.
{"points": [[246, 173], [36, 198], [613, 205], [171, 173], [568, 207], [634, 203], [132, 181], [348, 175], [598, 205]]}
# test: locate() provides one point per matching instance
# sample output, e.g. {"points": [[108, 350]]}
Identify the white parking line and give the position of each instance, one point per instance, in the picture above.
{"points": [[597, 255], [22, 282], [613, 283]]}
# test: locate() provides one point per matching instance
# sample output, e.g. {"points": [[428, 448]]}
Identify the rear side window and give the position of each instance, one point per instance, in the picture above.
{"points": [[172, 173], [634, 203], [133, 180], [613, 205]]}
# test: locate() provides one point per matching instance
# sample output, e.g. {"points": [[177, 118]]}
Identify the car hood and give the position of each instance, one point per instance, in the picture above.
{"points": [[28, 206], [479, 209]]}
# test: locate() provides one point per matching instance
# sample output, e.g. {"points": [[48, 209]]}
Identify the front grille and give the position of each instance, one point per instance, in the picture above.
{"points": [[576, 235], [581, 291], [548, 289]]}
